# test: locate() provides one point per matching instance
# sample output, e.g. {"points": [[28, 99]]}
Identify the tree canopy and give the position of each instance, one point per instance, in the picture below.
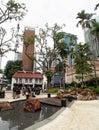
{"points": [[12, 67], [10, 11], [49, 47], [85, 19], [83, 66]]}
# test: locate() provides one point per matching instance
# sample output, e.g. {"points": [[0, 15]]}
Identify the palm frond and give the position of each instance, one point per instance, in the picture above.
{"points": [[97, 5]]}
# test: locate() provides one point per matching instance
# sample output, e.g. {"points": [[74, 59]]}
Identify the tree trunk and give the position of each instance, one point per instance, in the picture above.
{"points": [[95, 73], [48, 83], [82, 85]]}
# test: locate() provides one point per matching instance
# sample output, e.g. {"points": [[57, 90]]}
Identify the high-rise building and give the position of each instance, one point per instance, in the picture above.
{"points": [[92, 41], [66, 76], [27, 62], [18, 56], [70, 39]]}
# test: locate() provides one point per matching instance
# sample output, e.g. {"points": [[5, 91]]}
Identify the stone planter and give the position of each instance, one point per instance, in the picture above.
{"points": [[2, 94]]}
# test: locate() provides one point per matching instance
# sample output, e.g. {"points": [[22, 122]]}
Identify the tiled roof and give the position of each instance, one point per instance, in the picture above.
{"points": [[27, 74]]}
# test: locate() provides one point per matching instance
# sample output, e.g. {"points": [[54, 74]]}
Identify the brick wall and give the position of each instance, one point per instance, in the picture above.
{"points": [[28, 63]]}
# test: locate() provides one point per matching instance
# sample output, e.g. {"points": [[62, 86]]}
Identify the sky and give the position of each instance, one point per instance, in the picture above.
{"points": [[61, 12]]}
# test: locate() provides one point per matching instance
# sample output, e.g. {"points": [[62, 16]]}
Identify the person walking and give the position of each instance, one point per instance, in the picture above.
{"points": [[18, 92], [14, 92]]}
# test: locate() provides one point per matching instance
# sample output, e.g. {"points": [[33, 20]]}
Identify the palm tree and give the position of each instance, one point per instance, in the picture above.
{"points": [[83, 67], [62, 53], [95, 29], [85, 20], [97, 5], [95, 32], [73, 39]]}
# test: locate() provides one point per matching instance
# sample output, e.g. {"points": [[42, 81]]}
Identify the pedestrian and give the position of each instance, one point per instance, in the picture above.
{"points": [[14, 92], [29, 90], [24, 91], [32, 92], [18, 92]]}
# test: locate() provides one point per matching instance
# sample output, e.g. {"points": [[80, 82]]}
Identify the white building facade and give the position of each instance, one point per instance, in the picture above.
{"points": [[24, 78]]}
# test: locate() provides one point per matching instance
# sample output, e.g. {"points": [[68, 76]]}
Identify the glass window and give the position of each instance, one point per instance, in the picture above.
{"points": [[20, 80], [40, 80], [30, 80], [36, 80], [26, 80], [16, 80]]}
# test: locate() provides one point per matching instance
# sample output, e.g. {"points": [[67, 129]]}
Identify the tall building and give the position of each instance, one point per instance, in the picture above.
{"points": [[27, 62], [92, 41], [18, 56], [70, 38], [28, 77], [61, 78]]}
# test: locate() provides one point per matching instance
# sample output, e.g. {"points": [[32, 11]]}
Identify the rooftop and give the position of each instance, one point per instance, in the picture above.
{"points": [[28, 74]]}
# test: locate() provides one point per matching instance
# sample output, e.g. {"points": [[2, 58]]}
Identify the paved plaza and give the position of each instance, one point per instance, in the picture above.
{"points": [[80, 115]]}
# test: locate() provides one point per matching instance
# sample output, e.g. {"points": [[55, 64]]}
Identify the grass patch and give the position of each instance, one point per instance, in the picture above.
{"points": [[53, 90]]}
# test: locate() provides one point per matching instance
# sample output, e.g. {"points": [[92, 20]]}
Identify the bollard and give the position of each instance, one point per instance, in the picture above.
{"points": [[27, 95], [70, 98], [49, 95], [63, 103]]}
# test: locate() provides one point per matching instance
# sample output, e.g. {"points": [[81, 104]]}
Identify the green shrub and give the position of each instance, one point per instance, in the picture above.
{"points": [[69, 87], [92, 82], [94, 89], [53, 90]]}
